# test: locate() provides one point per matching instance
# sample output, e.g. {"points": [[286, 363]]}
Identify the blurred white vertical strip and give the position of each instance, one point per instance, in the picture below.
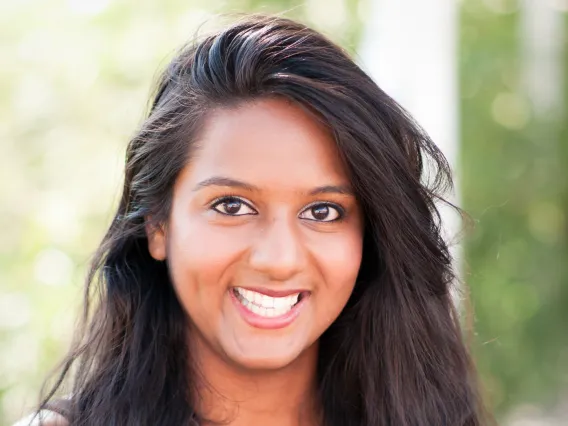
{"points": [[410, 48], [542, 42]]}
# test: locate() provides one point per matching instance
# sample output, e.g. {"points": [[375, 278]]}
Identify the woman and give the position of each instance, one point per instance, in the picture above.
{"points": [[275, 258]]}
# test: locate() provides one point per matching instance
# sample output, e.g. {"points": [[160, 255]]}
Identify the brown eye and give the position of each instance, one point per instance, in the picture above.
{"points": [[322, 212], [232, 206]]}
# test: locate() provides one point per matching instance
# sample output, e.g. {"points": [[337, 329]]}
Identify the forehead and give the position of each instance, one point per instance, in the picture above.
{"points": [[271, 140]]}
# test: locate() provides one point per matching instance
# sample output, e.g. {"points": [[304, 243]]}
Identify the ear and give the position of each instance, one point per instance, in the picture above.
{"points": [[156, 240]]}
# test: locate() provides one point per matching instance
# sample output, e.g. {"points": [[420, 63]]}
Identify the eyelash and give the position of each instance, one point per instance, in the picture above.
{"points": [[226, 198]]}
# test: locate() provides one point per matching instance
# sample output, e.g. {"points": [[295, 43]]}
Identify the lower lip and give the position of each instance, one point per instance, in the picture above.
{"points": [[269, 323]]}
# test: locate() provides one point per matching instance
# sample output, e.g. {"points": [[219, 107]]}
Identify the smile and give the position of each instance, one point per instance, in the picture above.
{"points": [[266, 306], [264, 311]]}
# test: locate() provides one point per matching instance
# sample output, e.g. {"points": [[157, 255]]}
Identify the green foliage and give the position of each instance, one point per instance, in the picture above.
{"points": [[75, 77], [515, 187], [74, 81]]}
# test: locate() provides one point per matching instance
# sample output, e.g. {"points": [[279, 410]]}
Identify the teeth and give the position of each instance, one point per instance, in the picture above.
{"points": [[264, 305], [247, 294]]}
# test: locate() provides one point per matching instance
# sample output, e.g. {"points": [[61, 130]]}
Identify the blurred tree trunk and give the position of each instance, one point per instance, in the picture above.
{"points": [[542, 43], [409, 48]]}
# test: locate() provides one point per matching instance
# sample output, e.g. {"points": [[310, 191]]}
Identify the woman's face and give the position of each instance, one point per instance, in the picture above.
{"points": [[264, 240]]}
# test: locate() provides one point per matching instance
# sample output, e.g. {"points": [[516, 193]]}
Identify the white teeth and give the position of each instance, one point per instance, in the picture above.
{"points": [[249, 296], [281, 302], [264, 305], [257, 298]]}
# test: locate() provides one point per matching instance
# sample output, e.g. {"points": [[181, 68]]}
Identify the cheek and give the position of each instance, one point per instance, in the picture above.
{"points": [[343, 259], [339, 261], [200, 258]]}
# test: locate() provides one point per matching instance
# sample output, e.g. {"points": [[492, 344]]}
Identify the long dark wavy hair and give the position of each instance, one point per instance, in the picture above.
{"points": [[394, 357]]}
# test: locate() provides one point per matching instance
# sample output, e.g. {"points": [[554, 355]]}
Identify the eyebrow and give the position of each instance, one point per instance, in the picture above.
{"points": [[225, 181], [234, 183]]}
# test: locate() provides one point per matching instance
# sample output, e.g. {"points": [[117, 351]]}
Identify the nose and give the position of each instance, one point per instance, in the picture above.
{"points": [[278, 251]]}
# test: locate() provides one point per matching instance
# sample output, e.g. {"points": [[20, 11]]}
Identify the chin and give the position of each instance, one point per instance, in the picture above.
{"points": [[266, 361]]}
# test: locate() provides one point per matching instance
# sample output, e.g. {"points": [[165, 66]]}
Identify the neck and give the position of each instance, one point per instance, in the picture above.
{"points": [[235, 396]]}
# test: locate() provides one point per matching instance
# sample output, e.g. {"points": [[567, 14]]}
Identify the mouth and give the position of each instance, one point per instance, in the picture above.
{"points": [[264, 311]]}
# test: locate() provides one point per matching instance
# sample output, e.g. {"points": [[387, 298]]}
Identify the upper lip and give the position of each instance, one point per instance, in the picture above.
{"points": [[274, 293]]}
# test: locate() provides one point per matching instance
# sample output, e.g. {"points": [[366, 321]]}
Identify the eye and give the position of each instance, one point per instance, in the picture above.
{"points": [[323, 212], [233, 206]]}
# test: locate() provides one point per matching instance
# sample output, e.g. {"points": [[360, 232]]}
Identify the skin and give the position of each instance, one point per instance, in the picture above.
{"points": [[293, 222], [46, 418], [284, 168]]}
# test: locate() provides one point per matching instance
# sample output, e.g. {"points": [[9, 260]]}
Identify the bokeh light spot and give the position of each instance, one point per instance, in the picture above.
{"points": [[53, 267], [546, 222], [14, 310], [511, 111]]}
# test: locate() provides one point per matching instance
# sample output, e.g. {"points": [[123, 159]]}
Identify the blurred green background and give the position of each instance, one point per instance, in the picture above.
{"points": [[75, 77]]}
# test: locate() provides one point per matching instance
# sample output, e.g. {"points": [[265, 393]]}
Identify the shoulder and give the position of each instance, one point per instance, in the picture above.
{"points": [[43, 418]]}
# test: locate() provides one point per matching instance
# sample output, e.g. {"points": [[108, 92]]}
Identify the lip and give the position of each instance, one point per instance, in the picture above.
{"points": [[275, 293], [258, 321]]}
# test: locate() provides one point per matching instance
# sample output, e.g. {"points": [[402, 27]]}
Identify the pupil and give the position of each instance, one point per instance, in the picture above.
{"points": [[232, 207], [320, 212]]}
